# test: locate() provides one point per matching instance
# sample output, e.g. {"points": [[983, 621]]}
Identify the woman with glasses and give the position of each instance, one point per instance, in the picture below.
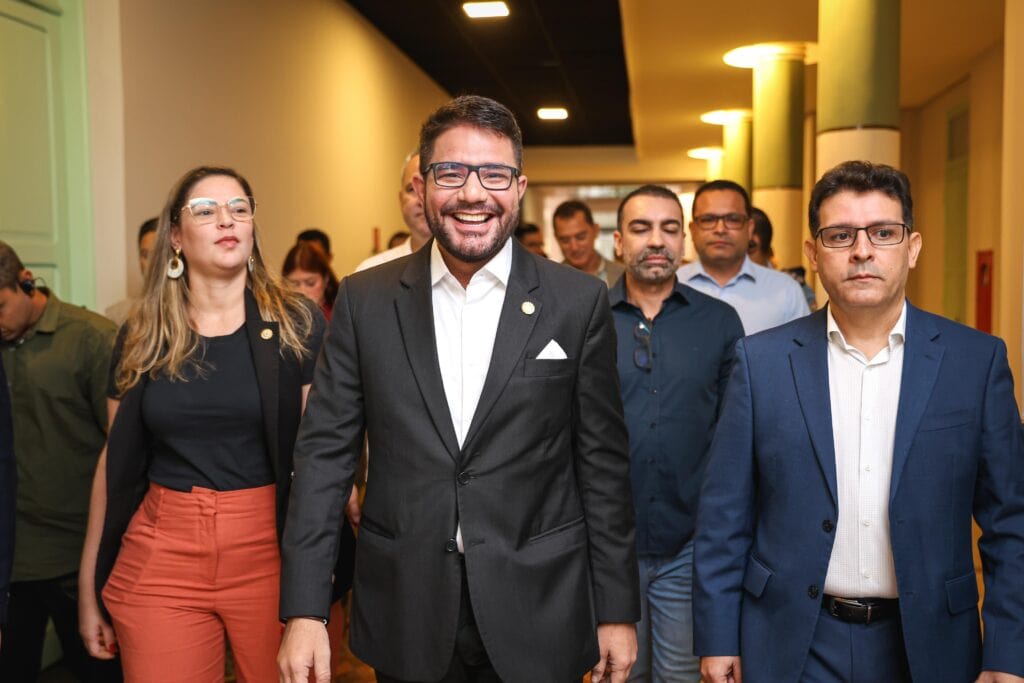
{"points": [[208, 382]]}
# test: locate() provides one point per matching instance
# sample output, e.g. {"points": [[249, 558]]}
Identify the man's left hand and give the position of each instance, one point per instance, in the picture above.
{"points": [[617, 643], [998, 677]]}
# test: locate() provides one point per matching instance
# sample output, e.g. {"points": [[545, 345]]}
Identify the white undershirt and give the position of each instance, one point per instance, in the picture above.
{"points": [[465, 325], [864, 396]]}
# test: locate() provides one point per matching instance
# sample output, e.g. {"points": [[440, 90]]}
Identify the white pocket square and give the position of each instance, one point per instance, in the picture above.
{"points": [[552, 352]]}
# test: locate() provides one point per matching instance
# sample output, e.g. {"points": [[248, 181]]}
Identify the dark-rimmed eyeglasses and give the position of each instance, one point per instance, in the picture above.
{"points": [[453, 175], [643, 358], [732, 221], [204, 210], [879, 234]]}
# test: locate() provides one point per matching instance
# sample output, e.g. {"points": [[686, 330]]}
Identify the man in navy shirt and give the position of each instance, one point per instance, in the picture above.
{"points": [[674, 356]]}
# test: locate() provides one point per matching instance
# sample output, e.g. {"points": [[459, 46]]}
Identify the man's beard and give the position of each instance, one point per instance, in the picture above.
{"points": [[653, 274], [480, 249]]}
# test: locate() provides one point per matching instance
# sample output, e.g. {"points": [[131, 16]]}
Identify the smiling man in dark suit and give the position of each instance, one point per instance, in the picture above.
{"points": [[496, 540], [854, 448]]}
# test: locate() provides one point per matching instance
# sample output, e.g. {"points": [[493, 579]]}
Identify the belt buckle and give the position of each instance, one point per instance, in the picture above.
{"points": [[853, 605]]}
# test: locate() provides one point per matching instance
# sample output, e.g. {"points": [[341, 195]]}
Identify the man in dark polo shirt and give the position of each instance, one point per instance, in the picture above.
{"points": [[56, 357], [6, 496], [674, 356]]}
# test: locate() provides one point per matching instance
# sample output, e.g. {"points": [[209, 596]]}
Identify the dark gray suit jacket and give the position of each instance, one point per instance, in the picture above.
{"points": [[541, 485]]}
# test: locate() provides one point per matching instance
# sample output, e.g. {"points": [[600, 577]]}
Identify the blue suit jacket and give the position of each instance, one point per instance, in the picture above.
{"points": [[762, 544], [8, 477]]}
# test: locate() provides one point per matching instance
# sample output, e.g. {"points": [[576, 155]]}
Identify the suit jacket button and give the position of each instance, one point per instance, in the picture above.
{"points": [[827, 526], [451, 546], [463, 478], [812, 592]]}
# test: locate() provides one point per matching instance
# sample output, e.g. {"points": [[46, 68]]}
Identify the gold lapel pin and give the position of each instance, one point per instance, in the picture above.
{"points": [[266, 334], [528, 308]]}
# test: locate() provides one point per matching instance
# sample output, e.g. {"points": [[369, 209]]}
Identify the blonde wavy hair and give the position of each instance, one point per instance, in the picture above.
{"points": [[159, 338]]}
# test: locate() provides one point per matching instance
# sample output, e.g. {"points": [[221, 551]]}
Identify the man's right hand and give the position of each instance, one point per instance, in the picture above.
{"points": [[305, 648], [96, 633], [720, 670]]}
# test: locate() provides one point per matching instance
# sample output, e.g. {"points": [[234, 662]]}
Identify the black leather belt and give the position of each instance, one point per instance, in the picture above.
{"points": [[860, 610]]}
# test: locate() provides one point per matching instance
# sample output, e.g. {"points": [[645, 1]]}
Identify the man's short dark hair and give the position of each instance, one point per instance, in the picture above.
{"points": [[569, 208], [861, 177], [525, 229], [315, 235], [720, 185], [647, 191], [762, 229], [470, 110], [149, 225], [10, 270]]}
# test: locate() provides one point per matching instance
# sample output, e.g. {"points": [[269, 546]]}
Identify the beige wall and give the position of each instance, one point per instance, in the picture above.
{"points": [[1010, 258], [305, 98], [608, 164]]}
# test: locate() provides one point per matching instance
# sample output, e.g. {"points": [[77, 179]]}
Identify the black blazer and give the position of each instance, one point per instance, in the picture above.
{"points": [[280, 384], [8, 481], [541, 484]]}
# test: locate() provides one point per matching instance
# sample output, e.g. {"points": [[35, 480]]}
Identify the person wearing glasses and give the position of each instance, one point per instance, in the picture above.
{"points": [[854, 449], [496, 539], [722, 229], [208, 382], [674, 355]]}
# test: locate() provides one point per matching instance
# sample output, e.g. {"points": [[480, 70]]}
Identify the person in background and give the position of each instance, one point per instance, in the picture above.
{"points": [[397, 239], [147, 238], [208, 382], [759, 248], [722, 228], [319, 238], [306, 268], [799, 274], [412, 214], [8, 479], [529, 236], [56, 357], [576, 233]]}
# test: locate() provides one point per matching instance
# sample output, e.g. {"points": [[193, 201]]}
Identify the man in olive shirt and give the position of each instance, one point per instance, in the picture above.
{"points": [[57, 358]]}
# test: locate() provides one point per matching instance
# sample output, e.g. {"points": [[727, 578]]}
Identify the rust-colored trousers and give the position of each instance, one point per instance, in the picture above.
{"points": [[192, 566]]}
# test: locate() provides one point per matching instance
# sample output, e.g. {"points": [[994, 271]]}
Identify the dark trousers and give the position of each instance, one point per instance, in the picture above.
{"points": [[470, 663], [32, 603], [856, 653]]}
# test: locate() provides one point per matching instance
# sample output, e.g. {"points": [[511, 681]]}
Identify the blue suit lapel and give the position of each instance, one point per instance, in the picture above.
{"points": [[922, 357], [809, 361]]}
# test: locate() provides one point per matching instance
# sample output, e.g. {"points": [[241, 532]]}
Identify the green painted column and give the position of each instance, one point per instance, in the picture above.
{"points": [[858, 108], [736, 145], [778, 146]]}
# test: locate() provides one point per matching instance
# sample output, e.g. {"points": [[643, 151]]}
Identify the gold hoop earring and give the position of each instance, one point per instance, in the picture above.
{"points": [[175, 267]]}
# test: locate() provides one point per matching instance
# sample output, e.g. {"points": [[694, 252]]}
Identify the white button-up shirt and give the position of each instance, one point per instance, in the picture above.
{"points": [[465, 325], [864, 396]]}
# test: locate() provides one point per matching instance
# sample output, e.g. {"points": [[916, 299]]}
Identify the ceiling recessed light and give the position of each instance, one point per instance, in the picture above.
{"points": [[553, 113], [485, 10], [723, 117], [704, 153]]}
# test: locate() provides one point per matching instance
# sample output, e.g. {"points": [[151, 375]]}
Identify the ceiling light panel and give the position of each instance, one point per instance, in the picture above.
{"points": [[485, 10]]}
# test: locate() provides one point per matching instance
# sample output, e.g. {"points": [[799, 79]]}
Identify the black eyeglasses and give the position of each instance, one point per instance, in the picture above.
{"points": [[879, 234], [453, 175], [731, 221], [643, 358]]}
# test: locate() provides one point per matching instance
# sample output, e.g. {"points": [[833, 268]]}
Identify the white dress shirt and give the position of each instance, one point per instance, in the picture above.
{"points": [[465, 325], [403, 249], [864, 396]]}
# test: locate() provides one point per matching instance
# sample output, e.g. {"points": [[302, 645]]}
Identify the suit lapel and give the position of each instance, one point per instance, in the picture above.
{"points": [[514, 329], [922, 357], [809, 361], [415, 310], [264, 340]]}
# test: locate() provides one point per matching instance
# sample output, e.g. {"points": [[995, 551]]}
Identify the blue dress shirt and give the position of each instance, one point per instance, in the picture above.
{"points": [[671, 408], [763, 297]]}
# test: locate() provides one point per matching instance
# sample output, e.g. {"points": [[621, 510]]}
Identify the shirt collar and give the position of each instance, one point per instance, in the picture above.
{"points": [[696, 269], [499, 267], [617, 292], [47, 322], [897, 335]]}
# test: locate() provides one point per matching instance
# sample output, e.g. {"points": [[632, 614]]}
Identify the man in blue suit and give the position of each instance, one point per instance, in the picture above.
{"points": [[834, 531]]}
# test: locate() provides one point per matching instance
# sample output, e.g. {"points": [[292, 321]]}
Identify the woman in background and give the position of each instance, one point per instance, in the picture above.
{"points": [[308, 271], [209, 379]]}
